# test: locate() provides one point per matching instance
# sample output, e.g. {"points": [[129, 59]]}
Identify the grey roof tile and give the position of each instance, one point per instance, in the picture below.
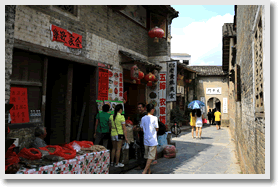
{"points": [[208, 70]]}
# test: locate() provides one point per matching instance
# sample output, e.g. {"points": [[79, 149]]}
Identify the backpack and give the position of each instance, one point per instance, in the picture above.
{"points": [[161, 128]]}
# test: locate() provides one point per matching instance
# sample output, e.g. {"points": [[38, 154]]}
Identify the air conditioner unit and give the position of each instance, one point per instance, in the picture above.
{"points": [[186, 62]]}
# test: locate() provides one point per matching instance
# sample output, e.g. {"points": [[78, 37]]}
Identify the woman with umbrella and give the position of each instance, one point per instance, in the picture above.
{"points": [[193, 122], [196, 104]]}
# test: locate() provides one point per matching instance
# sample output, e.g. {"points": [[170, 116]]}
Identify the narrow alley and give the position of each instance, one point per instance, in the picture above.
{"points": [[213, 154]]}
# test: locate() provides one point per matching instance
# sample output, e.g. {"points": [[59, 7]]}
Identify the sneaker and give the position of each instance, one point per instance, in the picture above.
{"points": [[112, 164], [119, 165]]}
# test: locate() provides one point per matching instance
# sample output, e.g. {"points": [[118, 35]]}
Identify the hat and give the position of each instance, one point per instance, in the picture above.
{"points": [[8, 107]]}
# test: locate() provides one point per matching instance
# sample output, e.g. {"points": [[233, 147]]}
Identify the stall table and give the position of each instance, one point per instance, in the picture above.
{"points": [[89, 163]]}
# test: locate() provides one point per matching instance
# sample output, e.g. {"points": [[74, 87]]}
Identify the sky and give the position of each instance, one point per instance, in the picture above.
{"points": [[198, 32]]}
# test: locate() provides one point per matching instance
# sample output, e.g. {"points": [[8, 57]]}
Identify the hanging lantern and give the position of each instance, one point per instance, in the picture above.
{"points": [[140, 76], [150, 78], [156, 33], [134, 73]]}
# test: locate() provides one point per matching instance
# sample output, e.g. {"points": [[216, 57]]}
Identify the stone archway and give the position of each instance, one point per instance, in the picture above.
{"points": [[212, 103]]}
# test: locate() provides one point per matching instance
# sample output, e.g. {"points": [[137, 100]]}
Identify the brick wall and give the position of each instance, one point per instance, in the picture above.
{"points": [[249, 131], [204, 82], [9, 41], [104, 33]]}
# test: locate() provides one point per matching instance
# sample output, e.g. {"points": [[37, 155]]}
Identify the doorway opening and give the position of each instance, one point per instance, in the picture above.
{"points": [[214, 103]]}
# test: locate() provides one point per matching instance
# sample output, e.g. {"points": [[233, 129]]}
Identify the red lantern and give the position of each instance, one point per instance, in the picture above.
{"points": [[156, 33], [150, 78], [134, 72], [140, 75]]}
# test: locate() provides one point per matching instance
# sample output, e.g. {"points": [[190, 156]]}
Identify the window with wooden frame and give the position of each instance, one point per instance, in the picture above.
{"points": [[68, 8], [258, 59]]}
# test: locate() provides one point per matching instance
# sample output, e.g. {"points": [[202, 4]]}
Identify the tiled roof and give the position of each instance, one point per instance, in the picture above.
{"points": [[180, 54], [227, 30], [139, 59], [207, 70]]}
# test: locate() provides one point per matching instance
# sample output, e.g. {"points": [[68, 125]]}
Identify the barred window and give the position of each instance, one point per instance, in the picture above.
{"points": [[69, 8], [258, 51]]}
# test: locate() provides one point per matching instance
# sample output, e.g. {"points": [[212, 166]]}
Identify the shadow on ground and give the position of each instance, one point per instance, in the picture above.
{"points": [[187, 151]]}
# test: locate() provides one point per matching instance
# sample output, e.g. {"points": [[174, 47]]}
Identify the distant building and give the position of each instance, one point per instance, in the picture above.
{"points": [[183, 57]]}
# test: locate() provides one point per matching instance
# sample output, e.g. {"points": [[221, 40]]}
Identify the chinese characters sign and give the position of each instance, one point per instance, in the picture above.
{"points": [[162, 97], [225, 105], [213, 91], [171, 90], [103, 84], [19, 113], [203, 109], [116, 88], [69, 39]]}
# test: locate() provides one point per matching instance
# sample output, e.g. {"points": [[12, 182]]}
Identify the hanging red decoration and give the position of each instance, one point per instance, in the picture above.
{"points": [[140, 76], [134, 73], [150, 78], [156, 33]]}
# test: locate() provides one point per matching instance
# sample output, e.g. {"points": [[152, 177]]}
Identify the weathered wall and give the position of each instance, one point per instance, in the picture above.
{"points": [[214, 82], [104, 33], [9, 42], [249, 130]]}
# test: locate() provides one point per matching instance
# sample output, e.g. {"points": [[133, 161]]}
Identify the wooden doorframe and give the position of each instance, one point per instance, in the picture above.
{"points": [[68, 102], [44, 87]]}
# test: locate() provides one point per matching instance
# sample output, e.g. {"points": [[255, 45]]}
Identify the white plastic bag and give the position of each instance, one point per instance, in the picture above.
{"points": [[76, 147], [125, 146]]}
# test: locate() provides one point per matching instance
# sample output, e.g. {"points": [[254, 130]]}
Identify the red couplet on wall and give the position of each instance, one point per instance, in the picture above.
{"points": [[69, 39], [103, 82], [19, 113]]}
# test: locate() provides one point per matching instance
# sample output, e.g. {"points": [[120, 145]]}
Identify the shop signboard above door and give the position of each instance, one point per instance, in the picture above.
{"points": [[213, 91], [69, 38], [171, 88]]}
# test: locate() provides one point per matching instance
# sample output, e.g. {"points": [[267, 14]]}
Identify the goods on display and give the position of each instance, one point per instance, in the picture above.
{"points": [[89, 163], [169, 151]]}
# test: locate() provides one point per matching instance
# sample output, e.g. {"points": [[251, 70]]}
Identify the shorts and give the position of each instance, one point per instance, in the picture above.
{"points": [[217, 122], [150, 152], [199, 124], [117, 138]]}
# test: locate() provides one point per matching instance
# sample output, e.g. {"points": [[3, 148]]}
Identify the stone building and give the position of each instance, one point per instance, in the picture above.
{"points": [[212, 89], [244, 60], [61, 79]]}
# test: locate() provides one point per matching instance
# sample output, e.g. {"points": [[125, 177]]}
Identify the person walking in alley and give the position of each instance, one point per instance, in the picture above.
{"points": [[149, 125], [210, 116], [213, 118], [102, 128], [217, 115], [118, 134], [137, 131], [199, 122], [193, 122]]}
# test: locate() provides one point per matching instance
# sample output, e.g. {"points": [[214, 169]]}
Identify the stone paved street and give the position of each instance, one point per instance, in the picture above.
{"points": [[213, 154]]}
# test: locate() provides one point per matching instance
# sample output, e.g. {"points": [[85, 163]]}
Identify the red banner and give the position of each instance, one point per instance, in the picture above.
{"points": [[103, 83], [69, 39], [19, 113]]}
